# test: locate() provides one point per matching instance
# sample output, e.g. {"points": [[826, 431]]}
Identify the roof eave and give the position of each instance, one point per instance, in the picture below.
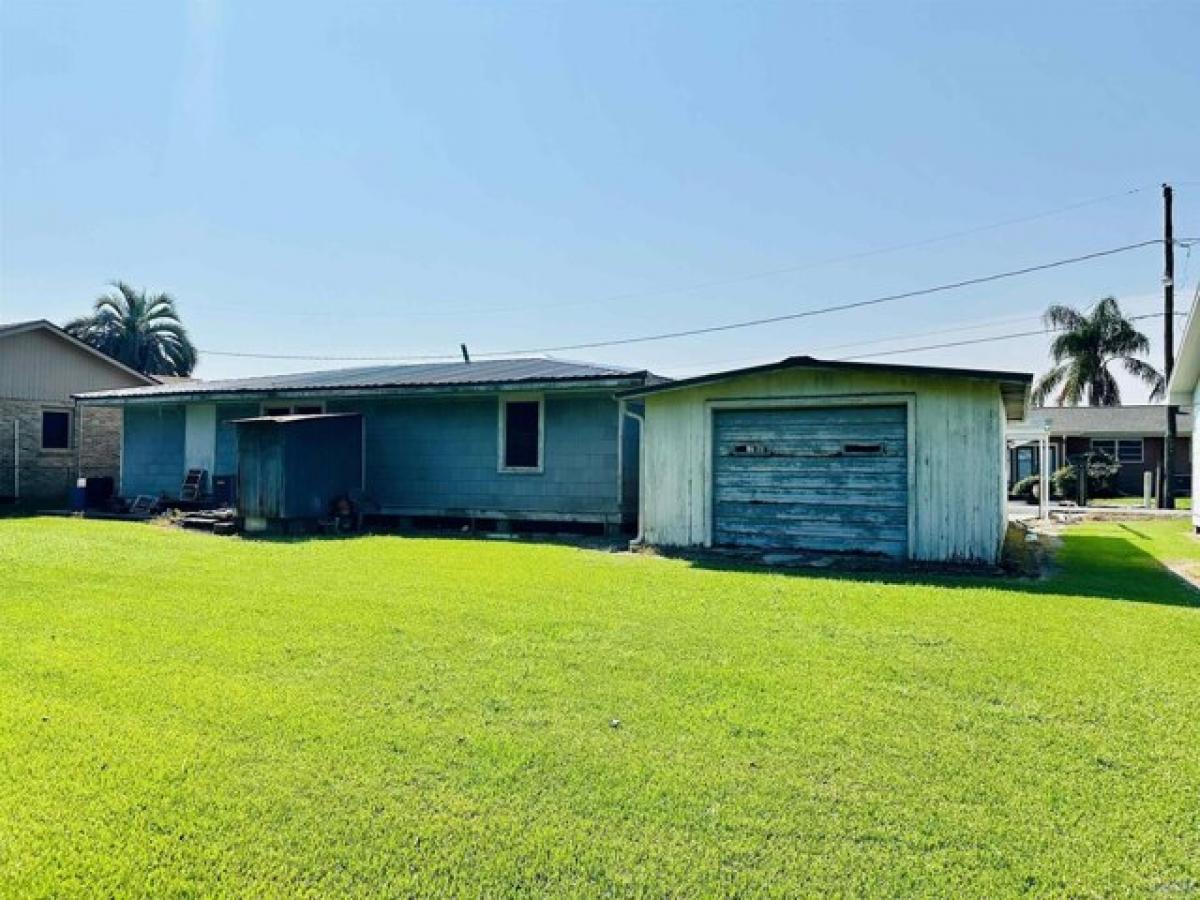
{"points": [[1020, 380], [108, 398]]}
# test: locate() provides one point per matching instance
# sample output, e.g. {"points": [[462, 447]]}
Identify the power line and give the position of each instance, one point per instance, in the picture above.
{"points": [[984, 340], [739, 279], [977, 325], [728, 326], [839, 307]]}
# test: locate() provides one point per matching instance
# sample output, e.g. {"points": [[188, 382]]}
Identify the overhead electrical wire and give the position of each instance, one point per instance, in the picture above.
{"points": [[727, 326], [749, 276], [977, 325], [983, 340]]}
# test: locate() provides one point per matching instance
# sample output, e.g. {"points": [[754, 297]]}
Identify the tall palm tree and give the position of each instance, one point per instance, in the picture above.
{"points": [[145, 333], [1088, 342]]}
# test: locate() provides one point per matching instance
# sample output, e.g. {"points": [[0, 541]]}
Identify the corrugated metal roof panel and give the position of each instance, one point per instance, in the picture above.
{"points": [[454, 374]]}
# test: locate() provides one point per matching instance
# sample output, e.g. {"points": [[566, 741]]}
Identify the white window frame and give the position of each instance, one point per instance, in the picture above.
{"points": [[291, 406], [1092, 445], [1116, 449], [70, 429], [502, 428], [1141, 445]]}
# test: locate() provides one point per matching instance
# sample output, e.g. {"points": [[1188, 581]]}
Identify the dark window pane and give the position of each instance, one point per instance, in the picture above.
{"points": [[308, 410], [521, 434], [56, 430], [277, 411]]}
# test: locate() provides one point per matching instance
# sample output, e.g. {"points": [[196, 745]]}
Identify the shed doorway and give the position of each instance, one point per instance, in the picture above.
{"points": [[822, 478]]}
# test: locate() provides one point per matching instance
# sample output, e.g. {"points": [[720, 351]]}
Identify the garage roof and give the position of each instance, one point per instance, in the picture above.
{"points": [[1014, 386]]}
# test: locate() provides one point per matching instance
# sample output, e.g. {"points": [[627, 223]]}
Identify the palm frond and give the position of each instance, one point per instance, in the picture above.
{"points": [[1146, 373]]}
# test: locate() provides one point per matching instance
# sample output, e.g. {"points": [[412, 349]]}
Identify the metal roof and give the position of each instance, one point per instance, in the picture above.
{"points": [[7, 329], [1014, 386], [453, 375], [1105, 420]]}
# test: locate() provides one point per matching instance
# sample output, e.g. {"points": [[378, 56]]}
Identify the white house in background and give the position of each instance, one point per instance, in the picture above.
{"points": [[1184, 390]]}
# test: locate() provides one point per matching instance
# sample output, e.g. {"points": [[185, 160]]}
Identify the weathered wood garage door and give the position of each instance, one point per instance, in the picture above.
{"points": [[819, 478]]}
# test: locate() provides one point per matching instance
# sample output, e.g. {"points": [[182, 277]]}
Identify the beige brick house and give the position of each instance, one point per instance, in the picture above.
{"points": [[46, 441]]}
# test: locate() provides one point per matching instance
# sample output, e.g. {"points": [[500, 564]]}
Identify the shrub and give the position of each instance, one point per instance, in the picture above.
{"points": [[1101, 478], [1026, 488]]}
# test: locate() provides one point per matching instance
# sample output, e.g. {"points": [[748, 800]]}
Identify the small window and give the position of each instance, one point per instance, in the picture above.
{"points": [[751, 450], [56, 430], [1107, 446], [862, 449], [277, 411], [1129, 451], [308, 410], [521, 435]]}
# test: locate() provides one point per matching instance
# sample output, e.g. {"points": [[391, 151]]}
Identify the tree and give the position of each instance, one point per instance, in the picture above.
{"points": [[1088, 343], [145, 333]]}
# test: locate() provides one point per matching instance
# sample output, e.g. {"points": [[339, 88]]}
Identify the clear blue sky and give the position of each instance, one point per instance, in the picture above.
{"points": [[386, 179]]}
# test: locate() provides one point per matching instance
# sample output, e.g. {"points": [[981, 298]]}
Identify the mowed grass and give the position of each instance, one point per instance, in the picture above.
{"points": [[188, 715], [1180, 502]]}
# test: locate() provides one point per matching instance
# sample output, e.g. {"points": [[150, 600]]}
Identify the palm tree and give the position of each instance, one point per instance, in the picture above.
{"points": [[144, 333], [1082, 352]]}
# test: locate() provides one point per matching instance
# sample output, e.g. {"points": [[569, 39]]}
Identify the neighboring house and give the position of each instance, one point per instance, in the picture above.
{"points": [[805, 454], [522, 439], [1184, 391], [1134, 436], [45, 442]]}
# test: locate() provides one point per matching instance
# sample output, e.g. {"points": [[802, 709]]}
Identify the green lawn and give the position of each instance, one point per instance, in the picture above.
{"points": [[189, 715], [1180, 502]]}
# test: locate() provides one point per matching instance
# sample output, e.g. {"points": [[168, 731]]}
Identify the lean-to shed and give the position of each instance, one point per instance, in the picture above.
{"points": [[806, 454], [296, 466]]}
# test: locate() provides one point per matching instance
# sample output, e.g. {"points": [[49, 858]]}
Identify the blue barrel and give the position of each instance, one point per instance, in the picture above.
{"points": [[78, 499]]}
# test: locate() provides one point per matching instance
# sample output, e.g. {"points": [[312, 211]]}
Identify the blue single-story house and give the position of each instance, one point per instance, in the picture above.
{"points": [[506, 440]]}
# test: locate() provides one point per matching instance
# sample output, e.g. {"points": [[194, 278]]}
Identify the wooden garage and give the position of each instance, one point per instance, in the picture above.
{"points": [[830, 456]]}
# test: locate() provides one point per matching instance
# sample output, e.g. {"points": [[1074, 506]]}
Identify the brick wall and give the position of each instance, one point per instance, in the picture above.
{"points": [[46, 475]]}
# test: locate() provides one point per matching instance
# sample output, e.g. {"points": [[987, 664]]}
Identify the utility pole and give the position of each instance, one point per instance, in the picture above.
{"points": [[1166, 497]]}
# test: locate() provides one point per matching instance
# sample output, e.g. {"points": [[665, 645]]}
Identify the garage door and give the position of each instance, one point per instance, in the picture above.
{"points": [[818, 478]]}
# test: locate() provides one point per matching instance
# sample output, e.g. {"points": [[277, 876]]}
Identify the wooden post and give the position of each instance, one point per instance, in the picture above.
{"points": [[1166, 496], [1044, 480]]}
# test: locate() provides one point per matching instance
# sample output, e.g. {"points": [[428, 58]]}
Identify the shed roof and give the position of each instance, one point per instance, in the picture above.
{"points": [[1103, 421], [10, 329], [1014, 386], [492, 373]]}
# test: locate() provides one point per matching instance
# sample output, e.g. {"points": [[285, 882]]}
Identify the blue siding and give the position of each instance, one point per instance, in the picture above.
{"points": [[433, 455], [152, 452], [227, 442], [440, 455]]}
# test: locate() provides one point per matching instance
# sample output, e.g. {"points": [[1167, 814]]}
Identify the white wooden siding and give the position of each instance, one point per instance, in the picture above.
{"points": [[957, 447], [1195, 458]]}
